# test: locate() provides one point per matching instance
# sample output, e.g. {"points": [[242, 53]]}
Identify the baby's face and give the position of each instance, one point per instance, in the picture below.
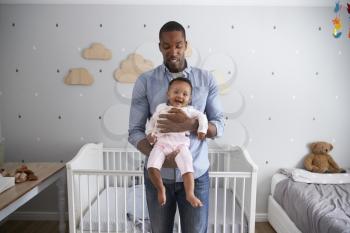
{"points": [[179, 94]]}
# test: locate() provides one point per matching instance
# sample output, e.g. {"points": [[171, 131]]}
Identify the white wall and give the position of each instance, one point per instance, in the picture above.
{"points": [[289, 78]]}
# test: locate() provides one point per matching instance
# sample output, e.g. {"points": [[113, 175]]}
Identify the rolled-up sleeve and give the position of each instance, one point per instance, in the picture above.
{"points": [[139, 112], [213, 108]]}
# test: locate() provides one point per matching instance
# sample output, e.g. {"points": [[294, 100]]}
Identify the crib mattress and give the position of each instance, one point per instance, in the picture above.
{"points": [[123, 218]]}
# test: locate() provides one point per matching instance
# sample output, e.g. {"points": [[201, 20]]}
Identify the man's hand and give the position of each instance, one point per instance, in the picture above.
{"points": [[169, 161], [152, 139], [176, 120]]}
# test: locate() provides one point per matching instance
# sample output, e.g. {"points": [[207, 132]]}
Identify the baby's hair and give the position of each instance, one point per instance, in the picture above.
{"points": [[180, 79]]}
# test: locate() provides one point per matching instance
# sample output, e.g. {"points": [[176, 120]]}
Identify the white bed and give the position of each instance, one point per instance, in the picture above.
{"points": [[96, 171], [302, 201], [277, 217]]}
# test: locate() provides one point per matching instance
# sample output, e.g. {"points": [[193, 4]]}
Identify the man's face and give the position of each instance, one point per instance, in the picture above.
{"points": [[172, 45]]}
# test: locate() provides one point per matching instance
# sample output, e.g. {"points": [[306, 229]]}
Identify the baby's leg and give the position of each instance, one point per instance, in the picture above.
{"points": [[156, 179], [154, 164], [184, 163], [189, 189]]}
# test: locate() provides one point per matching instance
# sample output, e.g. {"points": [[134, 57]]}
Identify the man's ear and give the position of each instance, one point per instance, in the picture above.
{"points": [[185, 44], [159, 47]]}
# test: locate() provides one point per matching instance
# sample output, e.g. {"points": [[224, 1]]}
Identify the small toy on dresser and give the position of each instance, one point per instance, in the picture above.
{"points": [[23, 174], [320, 161], [4, 173]]}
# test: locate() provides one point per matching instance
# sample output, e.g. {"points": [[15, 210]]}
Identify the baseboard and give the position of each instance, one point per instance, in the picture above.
{"points": [[36, 216], [54, 216], [261, 217]]}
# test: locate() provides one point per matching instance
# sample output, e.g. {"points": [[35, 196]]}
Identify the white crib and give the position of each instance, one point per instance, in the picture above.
{"points": [[106, 192]]}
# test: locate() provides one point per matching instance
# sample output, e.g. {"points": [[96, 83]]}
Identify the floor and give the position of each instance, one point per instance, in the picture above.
{"points": [[30, 227], [263, 227], [52, 227]]}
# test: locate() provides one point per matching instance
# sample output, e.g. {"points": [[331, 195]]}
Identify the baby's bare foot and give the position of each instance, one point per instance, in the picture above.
{"points": [[161, 197], [194, 201]]}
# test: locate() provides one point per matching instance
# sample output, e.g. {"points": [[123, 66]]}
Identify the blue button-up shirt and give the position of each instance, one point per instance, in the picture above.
{"points": [[150, 90]]}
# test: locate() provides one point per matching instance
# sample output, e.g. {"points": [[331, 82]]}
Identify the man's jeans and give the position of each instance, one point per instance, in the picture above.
{"points": [[193, 220]]}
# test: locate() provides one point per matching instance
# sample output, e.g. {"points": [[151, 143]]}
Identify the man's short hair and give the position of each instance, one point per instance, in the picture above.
{"points": [[172, 26]]}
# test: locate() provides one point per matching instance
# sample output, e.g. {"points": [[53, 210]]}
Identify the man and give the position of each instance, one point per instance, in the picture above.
{"points": [[150, 90]]}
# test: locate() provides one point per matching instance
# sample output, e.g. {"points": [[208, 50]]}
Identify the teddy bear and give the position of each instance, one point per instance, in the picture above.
{"points": [[23, 174], [319, 160]]}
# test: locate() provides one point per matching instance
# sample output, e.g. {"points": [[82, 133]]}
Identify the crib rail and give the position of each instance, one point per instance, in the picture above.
{"points": [[111, 191], [108, 218]]}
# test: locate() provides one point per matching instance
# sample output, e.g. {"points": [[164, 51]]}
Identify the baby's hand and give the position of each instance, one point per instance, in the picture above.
{"points": [[201, 136], [151, 138]]}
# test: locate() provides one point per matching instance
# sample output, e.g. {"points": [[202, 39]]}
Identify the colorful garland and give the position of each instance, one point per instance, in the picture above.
{"points": [[349, 18], [337, 21]]}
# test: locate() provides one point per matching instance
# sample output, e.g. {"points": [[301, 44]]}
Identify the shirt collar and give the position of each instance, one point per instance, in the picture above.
{"points": [[186, 71]]}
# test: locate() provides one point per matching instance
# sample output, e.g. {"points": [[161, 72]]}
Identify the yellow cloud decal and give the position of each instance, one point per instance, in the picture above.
{"points": [[222, 81], [131, 68], [78, 76], [97, 51]]}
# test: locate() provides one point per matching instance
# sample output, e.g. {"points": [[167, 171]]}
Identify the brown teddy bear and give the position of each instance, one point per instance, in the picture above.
{"points": [[319, 160], [23, 174]]}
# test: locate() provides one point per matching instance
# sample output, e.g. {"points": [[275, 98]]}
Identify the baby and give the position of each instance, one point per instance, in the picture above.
{"points": [[179, 95]]}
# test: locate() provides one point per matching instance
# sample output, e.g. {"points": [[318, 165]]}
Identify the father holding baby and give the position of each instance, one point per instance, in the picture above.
{"points": [[149, 91]]}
